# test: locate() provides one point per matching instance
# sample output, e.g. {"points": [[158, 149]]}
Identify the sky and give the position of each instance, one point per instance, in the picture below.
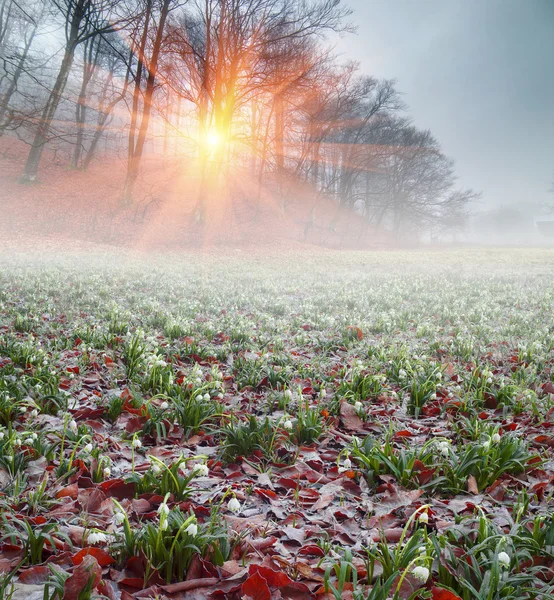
{"points": [[480, 75]]}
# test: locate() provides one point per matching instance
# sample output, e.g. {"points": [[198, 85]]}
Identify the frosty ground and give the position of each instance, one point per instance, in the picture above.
{"points": [[335, 425]]}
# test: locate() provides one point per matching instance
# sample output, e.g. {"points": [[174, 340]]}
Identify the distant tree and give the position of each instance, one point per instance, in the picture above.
{"points": [[83, 20], [18, 30]]}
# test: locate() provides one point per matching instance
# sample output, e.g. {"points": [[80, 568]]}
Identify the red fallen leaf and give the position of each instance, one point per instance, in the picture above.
{"points": [[103, 558], [142, 411], [442, 594], [545, 440], [256, 587], [402, 434], [356, 330], [273, 578], [117, 488], [191, 584], [70, 491], [133, 582], [40, 520], [105, 588], [87, 573], [262, 543], [270, 495], [349, 417], [109, 362], [35, 575], [311, 550], [73, 369], [548, 387], [126, 394], [65, 383], [472, 487]]}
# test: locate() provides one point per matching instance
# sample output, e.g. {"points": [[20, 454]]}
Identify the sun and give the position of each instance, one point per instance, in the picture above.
{"points": [[213, 139]]}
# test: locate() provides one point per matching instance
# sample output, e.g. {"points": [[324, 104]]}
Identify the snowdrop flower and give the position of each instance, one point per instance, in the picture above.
{"points": [[487, 444], [163, 509], [402, 374], [287, 394], [34, 413], [107, 472], [164, 525], [233, 505], [192, 529], [22, 410], [95, 537], [347, 464], [444, 448], [155, 468], [421, 573], [323, 392], [206, 397], [358, 405], [137, 443], [504, 559], [88, 448], [72, 426], [495, 438], [17, 442], [164, 405], [200, 470], [2, 435], [119, 517], [423, 517], [287, 424]]}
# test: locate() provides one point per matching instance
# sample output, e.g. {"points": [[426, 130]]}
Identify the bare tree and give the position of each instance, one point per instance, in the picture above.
{"points": [[83, 19]]}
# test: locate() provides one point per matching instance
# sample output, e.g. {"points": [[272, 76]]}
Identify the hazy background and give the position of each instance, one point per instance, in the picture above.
{"points": [[480, 75]]}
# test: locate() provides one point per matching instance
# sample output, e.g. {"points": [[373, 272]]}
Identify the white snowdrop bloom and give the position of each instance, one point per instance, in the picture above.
{"points": [[287, 394], [421, 573], [347, 464], [2, 435], [22, 410], [107, 472], [200, 470], [287, 424], [323, 392], [163, 509], [489, 379], [137, 443], [233, 505], [17, 442], [88, 448], [155, 468], [504, 559], [95, 537], [496, 438], [192, 529], [423, 517], [444, 448], [29, 441], [164, 525], [358, 405], [206, 397], [119, 517], [164, 405], [433, 397], [73, 426], [34, 413], [402, 374], [487, 445], [220, 396]]}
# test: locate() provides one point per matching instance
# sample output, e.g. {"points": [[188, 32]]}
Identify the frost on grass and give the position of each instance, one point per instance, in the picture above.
{"points": [[358, 425]]}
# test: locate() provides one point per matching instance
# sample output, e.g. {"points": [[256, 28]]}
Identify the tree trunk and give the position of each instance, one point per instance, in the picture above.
{"points": [[41, 135], [13, 84]]}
